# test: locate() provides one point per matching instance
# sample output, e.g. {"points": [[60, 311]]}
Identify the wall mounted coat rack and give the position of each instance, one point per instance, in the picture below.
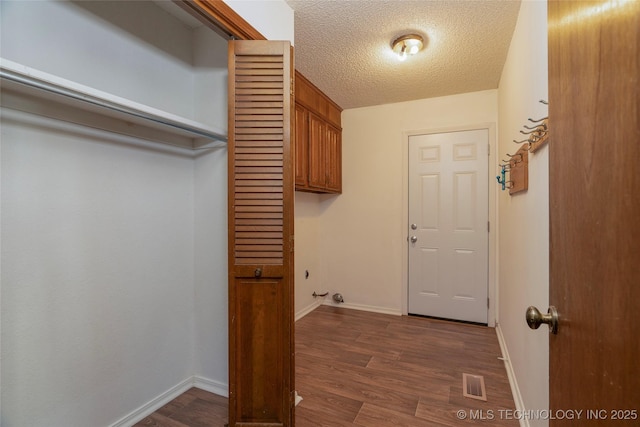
{"points": [[536, 134], [519, 170], [517, 165]]}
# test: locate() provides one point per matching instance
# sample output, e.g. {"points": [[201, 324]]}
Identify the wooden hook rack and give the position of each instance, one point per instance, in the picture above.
{"points": [[519, 170], [536, 134], [517, 166]]}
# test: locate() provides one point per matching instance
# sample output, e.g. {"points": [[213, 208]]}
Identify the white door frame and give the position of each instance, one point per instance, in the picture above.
{"points": [[492, 316]]}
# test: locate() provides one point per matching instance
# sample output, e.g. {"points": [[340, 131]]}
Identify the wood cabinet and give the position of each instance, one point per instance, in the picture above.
{"points": [[302, 147], [318, 140], [334, 159]]}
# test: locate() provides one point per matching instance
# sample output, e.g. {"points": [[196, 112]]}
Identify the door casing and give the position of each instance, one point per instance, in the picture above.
{"points": [[491, 127]]}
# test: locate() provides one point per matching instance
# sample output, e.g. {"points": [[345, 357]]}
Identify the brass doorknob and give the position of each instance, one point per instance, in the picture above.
{"points": [[535, 318]]}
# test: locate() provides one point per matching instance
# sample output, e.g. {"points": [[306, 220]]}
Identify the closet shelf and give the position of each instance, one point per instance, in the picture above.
{"points": [[24, 79]]}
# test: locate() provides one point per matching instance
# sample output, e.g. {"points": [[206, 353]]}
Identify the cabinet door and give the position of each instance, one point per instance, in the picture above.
{"points": [[261, 185], [334, 159], [317, 152], [302, 144]]}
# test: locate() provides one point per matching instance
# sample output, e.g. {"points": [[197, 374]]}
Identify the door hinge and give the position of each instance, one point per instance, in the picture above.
{"points": [[488, 226], [487, 302], [488, 149]]}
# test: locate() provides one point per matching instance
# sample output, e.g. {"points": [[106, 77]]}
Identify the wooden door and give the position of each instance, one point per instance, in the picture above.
{"points": [[448, 214], [261, 185], [594, 156]]}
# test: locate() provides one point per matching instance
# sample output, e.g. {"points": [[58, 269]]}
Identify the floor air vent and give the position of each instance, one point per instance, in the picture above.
{"points": [[473, 387]]}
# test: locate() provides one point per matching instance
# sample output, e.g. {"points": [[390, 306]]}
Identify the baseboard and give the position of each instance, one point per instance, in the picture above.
{"points": [[308, 309], [212, 386], [362, 307], [515, 390], [154, 404], [222, 389], [158, 402]]}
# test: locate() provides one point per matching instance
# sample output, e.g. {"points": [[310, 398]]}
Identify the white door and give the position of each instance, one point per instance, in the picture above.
{"points": [[448, 225]]}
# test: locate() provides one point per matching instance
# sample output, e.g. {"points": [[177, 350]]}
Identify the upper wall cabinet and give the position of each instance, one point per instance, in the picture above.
{"points": [[318, 140]]}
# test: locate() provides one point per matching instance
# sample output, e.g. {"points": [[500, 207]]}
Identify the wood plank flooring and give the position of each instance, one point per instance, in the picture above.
{"points": [[355, 368]]}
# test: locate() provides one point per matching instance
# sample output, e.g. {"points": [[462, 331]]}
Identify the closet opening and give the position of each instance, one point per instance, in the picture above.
{"points": [[114, 208]]}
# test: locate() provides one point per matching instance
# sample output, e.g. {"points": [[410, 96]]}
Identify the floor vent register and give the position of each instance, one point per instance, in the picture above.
{"points": [[473, 387]]}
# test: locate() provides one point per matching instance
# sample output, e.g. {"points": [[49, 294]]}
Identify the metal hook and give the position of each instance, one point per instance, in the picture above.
{"points": [[539, 120], [520, 142], [511, 156], [531, 128], [535, 130], [502, 180], [544, 102], [543, 125]]}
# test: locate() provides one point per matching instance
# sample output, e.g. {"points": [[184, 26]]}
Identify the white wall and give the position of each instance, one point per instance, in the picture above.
{"points": [[97, 278], [272, 18], [210, 218], [307, 253], [210, 264], [362, 232], [524, 218]]}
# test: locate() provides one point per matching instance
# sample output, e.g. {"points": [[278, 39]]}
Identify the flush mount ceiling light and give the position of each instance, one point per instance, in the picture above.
{"points": [[409, 44]]}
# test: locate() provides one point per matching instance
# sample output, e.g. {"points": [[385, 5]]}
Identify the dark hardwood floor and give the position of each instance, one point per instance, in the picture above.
{"points": [[355, 368]]}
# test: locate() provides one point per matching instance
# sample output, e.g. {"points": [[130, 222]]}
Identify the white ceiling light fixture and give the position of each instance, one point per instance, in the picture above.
{"points": [[409, 44]]}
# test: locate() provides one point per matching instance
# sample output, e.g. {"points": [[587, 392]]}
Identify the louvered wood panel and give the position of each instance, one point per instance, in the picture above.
{"points": [[260, 234], [253, 183]]}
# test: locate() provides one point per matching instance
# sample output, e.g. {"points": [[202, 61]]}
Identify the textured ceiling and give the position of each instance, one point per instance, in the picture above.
{"points": [[344, 47]]}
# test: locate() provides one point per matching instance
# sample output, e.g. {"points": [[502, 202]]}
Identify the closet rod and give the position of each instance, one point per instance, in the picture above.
{"points": [[57, 90]]}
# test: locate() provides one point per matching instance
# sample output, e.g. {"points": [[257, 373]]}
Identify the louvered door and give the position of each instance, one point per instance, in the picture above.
{"points": [[261, 185]]}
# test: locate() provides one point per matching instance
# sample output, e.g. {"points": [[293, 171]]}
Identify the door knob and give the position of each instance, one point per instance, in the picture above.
{"points": [[414, 239], [535, 318]]}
